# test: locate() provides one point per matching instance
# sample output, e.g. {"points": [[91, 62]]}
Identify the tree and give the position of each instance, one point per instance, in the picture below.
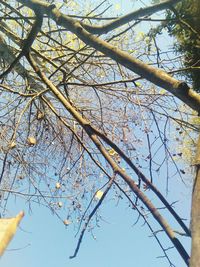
{"points": [[81, 113], [182, 22]]}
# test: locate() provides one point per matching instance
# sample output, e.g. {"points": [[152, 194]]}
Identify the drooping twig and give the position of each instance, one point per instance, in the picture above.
{"points": [[91, 215]]}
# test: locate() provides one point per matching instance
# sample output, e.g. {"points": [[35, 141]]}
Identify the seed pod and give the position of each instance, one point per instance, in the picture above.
{"points": [[58, 185], [12, 145], [60, 204], [31, 141], [66, 222], [40, 115]]}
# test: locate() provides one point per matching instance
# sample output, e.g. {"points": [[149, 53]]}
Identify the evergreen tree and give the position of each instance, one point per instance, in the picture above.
{"points": [[183, 22]]}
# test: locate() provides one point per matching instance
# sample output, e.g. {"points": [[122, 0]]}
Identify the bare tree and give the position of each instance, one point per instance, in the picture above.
{"points": [[83, 112]]}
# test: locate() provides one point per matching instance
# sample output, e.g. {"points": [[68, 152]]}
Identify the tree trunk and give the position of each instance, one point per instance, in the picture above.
{"points": [[195, 223]]}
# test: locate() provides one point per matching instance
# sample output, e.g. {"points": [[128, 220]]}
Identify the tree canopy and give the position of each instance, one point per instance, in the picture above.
{"points": [[92, 106]]}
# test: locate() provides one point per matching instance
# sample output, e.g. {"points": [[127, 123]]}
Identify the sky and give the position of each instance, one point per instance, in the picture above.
{"points": [[43, 240]]}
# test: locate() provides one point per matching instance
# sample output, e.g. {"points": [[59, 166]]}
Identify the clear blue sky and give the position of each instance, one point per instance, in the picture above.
{"points": [[118, 242], [43, 241]]}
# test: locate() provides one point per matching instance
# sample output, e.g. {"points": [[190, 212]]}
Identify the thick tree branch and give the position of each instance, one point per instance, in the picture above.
{"points": [[152, 74]]}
